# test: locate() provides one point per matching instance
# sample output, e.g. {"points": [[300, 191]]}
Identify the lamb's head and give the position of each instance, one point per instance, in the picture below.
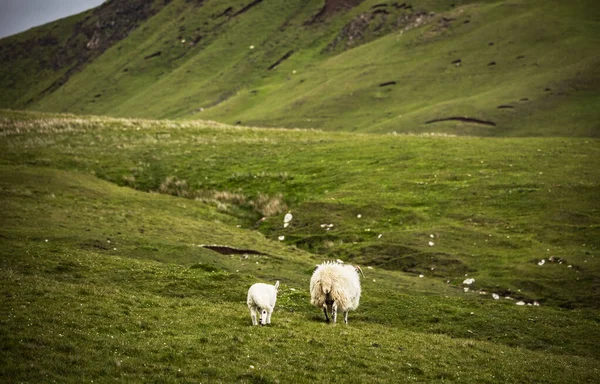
{"points": [[263, 317]]}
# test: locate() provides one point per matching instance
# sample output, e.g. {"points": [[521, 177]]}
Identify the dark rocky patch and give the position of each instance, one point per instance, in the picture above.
{"points": [[247, 7], [387, 84], [457, 61], [331, 7], [491, 63], [226, 12], [376, 23], [282, 59], [505, 106], [227, 250], [464, 120], [95, 245], [383, 11], [155, 54], [196, 39]]}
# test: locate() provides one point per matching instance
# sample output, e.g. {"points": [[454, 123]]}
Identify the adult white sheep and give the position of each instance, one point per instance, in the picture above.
{"points": [[335, 286], [262, 297]]}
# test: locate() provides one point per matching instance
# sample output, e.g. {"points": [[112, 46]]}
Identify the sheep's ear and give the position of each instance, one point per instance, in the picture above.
{"points": [[358, 269], [277, 285]]}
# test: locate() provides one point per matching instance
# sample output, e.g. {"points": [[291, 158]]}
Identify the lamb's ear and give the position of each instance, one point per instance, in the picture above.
{"points": [[277, 285]]}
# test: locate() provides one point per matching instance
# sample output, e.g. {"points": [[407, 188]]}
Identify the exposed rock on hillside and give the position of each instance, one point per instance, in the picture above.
{"points": [[380, 20], [331, 7]]}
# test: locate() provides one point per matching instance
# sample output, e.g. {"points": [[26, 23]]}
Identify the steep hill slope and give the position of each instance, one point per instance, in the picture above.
{"points": [[490, 68]]}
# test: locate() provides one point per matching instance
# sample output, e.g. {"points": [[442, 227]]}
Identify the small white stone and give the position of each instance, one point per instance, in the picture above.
{"points": [[495, 296], [281, 238], [431, 243]]}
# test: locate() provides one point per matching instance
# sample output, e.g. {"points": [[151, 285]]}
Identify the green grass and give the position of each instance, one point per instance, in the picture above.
{"points": [[102, 280], [544, 54]]}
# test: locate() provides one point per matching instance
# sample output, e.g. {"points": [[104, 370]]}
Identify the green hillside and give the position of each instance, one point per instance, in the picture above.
{"points": [[487, 68]]}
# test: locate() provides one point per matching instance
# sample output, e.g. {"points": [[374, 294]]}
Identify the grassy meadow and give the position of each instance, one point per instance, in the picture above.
{"points": [[105, 277]]}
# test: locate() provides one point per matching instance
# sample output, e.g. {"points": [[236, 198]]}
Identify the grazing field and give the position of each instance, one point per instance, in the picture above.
{"points": [[105, 275]]}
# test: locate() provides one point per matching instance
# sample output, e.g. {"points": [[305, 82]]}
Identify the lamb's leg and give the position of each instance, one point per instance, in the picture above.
{"points": [[325, 312], [346, 317], [334, 311], [253, 315]]}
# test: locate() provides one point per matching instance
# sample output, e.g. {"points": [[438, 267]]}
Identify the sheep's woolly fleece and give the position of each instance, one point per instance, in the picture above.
{"points": [[340, 281]]}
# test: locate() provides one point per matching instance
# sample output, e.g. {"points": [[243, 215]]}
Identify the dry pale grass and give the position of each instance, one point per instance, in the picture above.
{"points": [[264, 204]]}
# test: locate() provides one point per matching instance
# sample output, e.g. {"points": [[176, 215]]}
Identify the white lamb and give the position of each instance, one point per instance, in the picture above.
{"points": [[262, 297], [335, 286]]}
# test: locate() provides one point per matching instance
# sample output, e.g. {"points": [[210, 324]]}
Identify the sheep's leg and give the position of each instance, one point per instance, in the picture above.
{"points": [[346, 317], [269, 313], [253, 315], [334, 311], [325, 312]]}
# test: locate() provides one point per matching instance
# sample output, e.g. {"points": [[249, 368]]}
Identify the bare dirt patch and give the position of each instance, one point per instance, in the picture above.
{"points": [[464, 120], [227, 250]]}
